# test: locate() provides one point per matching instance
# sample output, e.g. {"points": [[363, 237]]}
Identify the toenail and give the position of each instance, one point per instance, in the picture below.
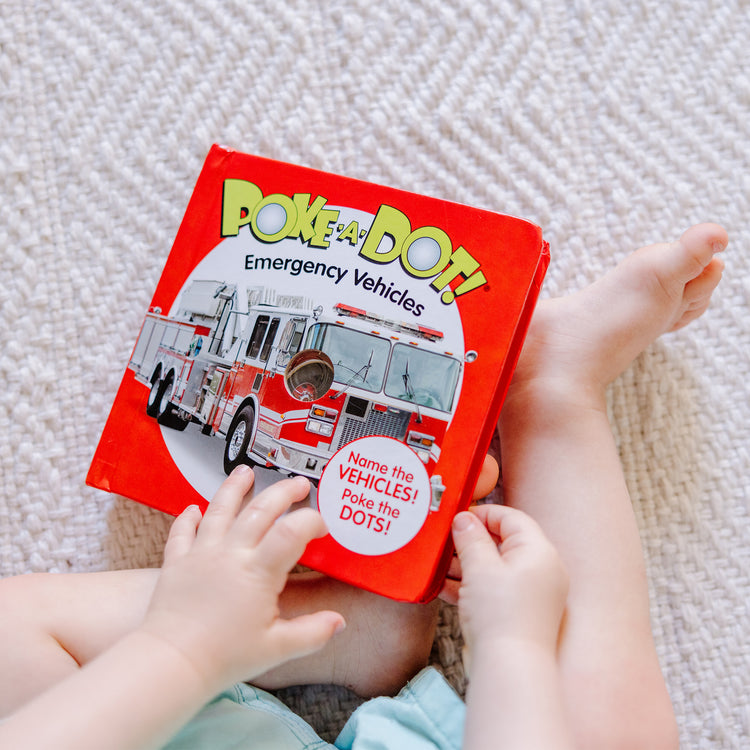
{"points": [[718, 246]]}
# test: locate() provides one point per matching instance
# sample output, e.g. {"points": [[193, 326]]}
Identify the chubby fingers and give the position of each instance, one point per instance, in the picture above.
{"points": [[283, 545], [226, 503], [452, 584], [509, 526], [474, 546], [484, 531], [182, 534], [278, 538], [264, 510]]}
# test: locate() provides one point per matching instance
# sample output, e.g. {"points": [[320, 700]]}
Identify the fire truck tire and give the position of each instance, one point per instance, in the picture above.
{"points": [[161, 390], [166, 411], [238, 440], [152, 405], [170, 419]]}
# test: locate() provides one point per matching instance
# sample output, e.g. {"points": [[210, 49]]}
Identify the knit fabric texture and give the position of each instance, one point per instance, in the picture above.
{"points": [[610, 125]]}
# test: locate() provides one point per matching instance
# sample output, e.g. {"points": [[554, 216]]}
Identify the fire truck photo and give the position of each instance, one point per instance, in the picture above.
{"points": [[288, 384]]}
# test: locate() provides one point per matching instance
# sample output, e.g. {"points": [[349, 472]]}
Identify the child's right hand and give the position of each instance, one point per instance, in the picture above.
{"points": [[216, 599], [513, 583]]}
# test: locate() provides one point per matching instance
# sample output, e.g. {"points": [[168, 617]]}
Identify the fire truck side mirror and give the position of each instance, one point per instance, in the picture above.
{"points": [[309, 375]]}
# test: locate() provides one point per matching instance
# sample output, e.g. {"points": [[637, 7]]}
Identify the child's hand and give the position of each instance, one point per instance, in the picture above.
{"points": [[216, 599], [513, 583], [486, 482]]}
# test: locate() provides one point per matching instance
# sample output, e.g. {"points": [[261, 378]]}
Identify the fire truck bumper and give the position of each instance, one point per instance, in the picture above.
{"points": [[295, 459]]}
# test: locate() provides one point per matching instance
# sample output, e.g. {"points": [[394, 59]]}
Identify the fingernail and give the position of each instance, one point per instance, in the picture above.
{"points": [[340, 627], [239, 470], [462, 521]]}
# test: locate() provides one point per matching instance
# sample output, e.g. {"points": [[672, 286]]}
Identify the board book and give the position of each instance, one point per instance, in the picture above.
{"points": [[359, 335]]}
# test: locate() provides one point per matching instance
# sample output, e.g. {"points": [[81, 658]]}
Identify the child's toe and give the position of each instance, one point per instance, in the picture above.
{"points": [[696, 249]]}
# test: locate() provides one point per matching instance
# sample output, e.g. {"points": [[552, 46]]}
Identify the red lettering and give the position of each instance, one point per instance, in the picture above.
{"points": [[360, 518]]}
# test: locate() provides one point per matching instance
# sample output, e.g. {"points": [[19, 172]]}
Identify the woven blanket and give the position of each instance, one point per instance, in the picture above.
{"points": [[609, 124]]}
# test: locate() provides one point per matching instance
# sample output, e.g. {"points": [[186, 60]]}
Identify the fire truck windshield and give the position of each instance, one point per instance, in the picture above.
{"points": [[422, 377], [359, 359]]}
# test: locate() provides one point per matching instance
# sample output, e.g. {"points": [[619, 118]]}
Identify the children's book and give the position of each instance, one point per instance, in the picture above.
{"points": [[310, 324]]}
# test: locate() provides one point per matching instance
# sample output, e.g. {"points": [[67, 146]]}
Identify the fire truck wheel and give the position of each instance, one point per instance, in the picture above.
{"points": [[238, 440], [170, 419], [161, 397], [166, 411], [152, 405]]}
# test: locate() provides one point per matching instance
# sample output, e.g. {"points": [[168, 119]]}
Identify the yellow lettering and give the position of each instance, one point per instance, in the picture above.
{"points": [[239, 200], [388, 222], [463, 264], [306, 215], [323, 228], [426, 251], [350, 234], [273, 217]]}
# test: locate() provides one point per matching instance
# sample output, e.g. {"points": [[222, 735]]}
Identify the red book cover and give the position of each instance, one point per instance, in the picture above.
{"points": [[308, 323]]}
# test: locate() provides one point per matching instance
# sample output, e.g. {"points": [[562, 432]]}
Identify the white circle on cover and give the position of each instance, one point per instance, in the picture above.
{"points": [[374, 495], [424, 253], [271, 219]]}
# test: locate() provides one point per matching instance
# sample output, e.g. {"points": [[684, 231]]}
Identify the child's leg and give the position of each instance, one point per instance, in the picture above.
{"points": [[560, 465]]}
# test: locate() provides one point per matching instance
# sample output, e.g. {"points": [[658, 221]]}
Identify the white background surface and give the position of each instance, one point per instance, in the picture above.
{"points": [[608, 124]]}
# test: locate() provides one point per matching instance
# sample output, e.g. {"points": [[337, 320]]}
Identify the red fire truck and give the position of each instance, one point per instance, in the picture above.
{"points": [[288, 383]]}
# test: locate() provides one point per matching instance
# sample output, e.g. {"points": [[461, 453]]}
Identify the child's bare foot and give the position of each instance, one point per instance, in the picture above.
{"points": [[384, 645], [588, 338]]}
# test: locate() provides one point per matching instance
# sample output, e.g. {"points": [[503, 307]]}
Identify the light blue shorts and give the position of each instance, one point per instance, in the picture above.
{"points": [[426, 715]]}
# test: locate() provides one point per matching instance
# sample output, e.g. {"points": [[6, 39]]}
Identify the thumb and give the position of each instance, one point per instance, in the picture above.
{"points": [[306, 634], [474, 545]]}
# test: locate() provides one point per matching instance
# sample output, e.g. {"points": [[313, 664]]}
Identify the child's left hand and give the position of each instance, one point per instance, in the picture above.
{"points": [[216, 599]]}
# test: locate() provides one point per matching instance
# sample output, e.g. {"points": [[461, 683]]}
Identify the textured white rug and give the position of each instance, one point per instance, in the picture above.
{"points": [[609, 124]]}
